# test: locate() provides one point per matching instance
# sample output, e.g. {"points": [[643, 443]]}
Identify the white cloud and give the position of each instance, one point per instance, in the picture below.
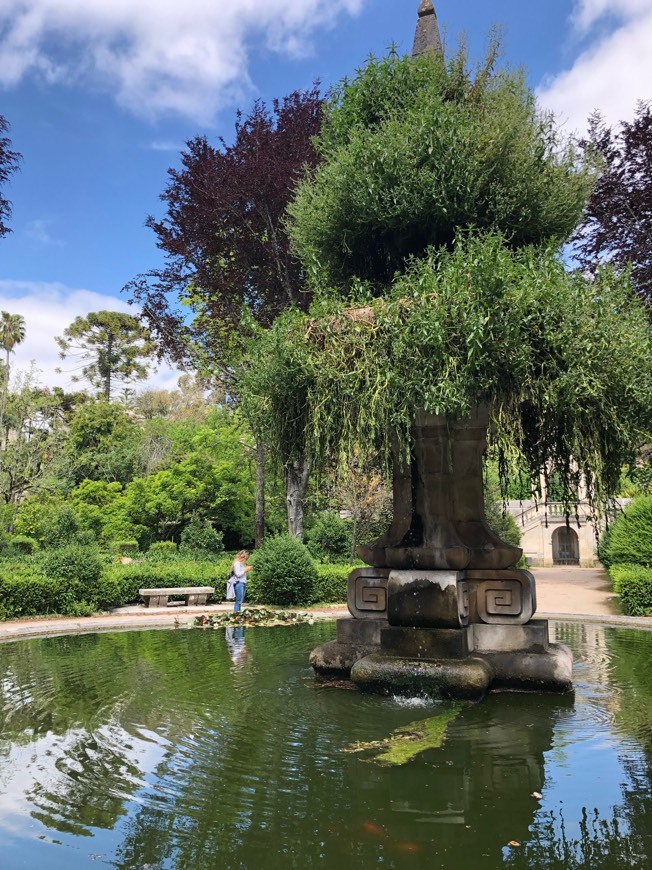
{"points": [[38, 230], [157, 56], [613, 72], [48, 308]]}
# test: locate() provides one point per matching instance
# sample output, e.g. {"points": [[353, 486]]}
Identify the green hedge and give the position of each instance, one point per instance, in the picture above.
{"points": [[180, 572], [629, 539], [25, 590], [331, 584], [634, 586], [66, 582]]}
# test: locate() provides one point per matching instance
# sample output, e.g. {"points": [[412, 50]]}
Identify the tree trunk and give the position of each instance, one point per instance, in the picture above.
{"points": [[297, 476], [259, 522]]}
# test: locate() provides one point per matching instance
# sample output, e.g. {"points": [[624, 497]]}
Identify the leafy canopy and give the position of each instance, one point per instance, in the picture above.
{"points": [[413, 149], [617, 224], [224, 235], [564, 363], [115, 347]]}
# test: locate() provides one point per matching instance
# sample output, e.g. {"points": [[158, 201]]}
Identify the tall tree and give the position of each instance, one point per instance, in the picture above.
{"points": [[617, 223], [445, 194], [8, 164], [227, 250], [111, 347], [12, 332]]}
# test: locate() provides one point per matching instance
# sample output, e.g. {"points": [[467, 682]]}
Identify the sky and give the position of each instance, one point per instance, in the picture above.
{"points": [[102, 95]]}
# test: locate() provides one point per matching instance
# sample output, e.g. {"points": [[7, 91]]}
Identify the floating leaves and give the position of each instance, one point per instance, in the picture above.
{"points": [[252, 616]]}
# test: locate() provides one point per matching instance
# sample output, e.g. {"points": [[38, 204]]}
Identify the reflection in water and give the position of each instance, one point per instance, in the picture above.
{"points": [[193, 749], [235, 643]]}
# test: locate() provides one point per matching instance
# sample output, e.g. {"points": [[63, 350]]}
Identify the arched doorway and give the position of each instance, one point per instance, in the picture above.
{"points": [[565, 547]]}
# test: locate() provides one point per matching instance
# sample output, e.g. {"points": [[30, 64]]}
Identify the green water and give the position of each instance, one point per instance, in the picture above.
{"points": [[178, 749]]}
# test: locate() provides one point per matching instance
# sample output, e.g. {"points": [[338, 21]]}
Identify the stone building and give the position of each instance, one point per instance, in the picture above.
{"points": [[548, 540]]}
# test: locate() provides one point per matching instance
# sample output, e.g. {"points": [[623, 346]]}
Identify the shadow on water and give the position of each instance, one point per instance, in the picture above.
{"points": [[193, 749]]}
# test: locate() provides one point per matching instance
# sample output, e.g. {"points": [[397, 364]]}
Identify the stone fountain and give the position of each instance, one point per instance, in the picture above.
{"points": [[442, 609]]}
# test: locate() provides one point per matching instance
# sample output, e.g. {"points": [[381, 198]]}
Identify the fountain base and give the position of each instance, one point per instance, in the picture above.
{"points": [[455, 634]]}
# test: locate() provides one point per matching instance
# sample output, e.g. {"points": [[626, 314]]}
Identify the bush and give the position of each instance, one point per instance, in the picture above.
{"points": [[502, 524], [19, 545], [284, 574], [200, 540], [162, 551], [634, 585], [67, 582], [331, 585], [129, 547], [26, 591], [78, 572], [329, 540], [629, 540]]}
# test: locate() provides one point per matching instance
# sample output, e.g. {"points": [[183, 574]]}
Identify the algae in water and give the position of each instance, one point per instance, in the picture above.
{"points": [[408, 741]]}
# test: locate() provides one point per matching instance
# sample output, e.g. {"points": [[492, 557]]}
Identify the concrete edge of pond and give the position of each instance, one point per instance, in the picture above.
{"points": [[140, 619], [135, 618]]}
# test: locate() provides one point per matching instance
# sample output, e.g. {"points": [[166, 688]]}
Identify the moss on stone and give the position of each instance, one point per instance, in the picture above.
{"points": [[408, 741]]}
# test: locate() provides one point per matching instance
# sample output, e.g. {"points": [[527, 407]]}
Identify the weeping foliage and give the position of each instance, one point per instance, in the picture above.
{"points": [[412, 149], [564, 363]]}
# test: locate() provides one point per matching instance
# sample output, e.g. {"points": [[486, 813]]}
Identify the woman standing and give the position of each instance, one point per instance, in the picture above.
{"points": [[240, 570]]}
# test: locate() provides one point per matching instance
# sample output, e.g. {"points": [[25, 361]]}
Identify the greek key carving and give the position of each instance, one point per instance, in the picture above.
{"points": [[503, 601], [367, 598], [370, 597]]}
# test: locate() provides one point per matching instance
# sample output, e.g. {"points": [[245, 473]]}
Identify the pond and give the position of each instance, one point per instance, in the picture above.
{"points": [[194, 749]]}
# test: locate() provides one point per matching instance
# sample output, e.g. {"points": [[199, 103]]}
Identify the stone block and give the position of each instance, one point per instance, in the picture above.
{"points": [[551, 671], [390, 675], [427, 599], [360, 631], [336, 658], [501, 597], [425, 643], [532, 637], [367, 593]]}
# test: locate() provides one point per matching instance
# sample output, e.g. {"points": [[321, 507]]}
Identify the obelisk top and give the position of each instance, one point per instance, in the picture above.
{"points": [[427, 39]]}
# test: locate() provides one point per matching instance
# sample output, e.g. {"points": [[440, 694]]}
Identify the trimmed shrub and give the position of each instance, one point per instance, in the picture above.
{"points": [[634, 586], [162, 551], [331, 584], [180, 572], [629, 539], [64, 588], [329, 540], [284, 574], [200, 540], [128, 547], [26, 591]]}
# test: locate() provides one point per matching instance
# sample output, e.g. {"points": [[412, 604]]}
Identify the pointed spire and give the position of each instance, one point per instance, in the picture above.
{"points": [[427, 38]]}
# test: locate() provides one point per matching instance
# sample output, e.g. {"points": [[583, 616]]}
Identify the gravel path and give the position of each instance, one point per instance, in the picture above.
{"points": [[580, 594]]}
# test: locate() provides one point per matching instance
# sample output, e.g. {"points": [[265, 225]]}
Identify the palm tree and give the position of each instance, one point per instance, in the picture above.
{"points": [[12, 332]]}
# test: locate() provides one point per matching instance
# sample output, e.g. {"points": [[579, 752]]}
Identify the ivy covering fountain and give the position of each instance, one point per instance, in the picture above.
{"points": [[445, 319]]}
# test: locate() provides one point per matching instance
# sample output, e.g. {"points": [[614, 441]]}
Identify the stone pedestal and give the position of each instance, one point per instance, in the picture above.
{"points": [[441, 610], [445, 633]]}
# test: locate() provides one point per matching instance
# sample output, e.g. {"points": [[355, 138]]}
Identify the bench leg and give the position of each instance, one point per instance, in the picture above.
{"points": [[193, 600], [156, 601]]}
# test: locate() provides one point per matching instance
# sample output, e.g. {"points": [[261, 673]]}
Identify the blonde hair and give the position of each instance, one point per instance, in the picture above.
{"points": [[242, 556]]}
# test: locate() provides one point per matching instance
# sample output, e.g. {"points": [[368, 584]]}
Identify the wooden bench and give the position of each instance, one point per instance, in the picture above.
{"points": [[192, 595]]}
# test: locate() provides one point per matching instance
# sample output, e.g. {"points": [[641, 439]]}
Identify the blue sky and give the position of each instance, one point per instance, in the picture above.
{"points": [[102, 94]]}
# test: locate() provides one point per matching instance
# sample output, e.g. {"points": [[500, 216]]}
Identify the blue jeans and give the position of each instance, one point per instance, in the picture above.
{"points": [[240, 589]]}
